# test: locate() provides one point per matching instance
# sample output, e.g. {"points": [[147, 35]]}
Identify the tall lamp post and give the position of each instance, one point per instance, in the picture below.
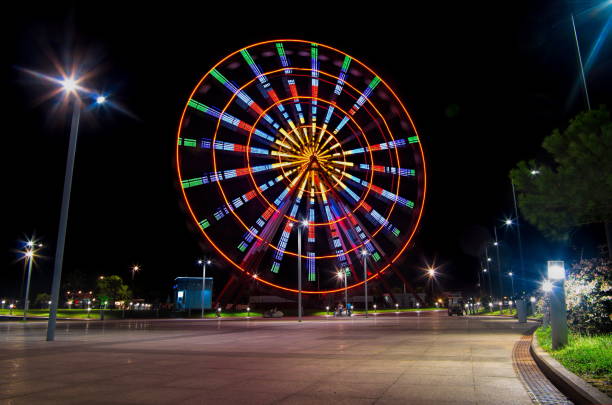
{"points": [[431, 272], [342, 273], [299, 227], [70, 87], [499, 272], [518, 235], [29, 255], [135, 269], [203, 263], [364, 254], [511, 275]]}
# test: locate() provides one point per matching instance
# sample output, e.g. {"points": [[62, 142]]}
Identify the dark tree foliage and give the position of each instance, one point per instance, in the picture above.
{"points": [[576, 189], [112, 288]]}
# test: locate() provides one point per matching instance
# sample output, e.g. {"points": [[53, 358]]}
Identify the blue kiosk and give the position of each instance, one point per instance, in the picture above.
{"points": [[188, 293]]}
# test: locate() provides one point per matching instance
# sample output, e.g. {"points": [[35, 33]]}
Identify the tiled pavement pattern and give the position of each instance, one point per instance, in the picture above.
{"points": [[424, 358], [538, 386]]}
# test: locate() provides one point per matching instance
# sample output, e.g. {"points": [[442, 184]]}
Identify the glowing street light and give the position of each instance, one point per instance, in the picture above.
{"points": [[558, 311], [547, 286], [203, 263], [365, 254], [29, 257], [100, 99], [135, 269], [303, 223], [340, 274], [70, 86]]}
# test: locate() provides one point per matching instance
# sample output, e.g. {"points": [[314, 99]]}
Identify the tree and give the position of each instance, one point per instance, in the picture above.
{"points": [[42, 299], [576, 189], [113, 289]]}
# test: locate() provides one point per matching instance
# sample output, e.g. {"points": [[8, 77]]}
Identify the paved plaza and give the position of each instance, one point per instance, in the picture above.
{"points": [[411, 358]]}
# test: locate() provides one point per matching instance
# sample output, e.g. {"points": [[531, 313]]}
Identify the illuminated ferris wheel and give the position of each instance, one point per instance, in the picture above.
{"points": [[291, 139]]}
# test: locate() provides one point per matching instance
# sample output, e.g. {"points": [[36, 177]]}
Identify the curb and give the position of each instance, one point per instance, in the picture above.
{"points": [[574, 387]]}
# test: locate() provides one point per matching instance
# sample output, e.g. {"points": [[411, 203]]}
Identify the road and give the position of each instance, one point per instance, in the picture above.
{"points": [[410, 358]]}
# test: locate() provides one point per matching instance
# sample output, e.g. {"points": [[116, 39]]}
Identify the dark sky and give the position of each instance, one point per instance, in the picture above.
{"points": [[484, 86]]}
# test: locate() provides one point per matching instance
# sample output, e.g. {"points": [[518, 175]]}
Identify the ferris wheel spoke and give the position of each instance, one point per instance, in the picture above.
{"points": [[246, 102], [290, 81], [314, 84], [222, 175], [248, 196], [206, 143], [378, 191], [267, 223], [335, 237], [395, 144], [286, 233], [390, 170], [268, 90], [360, 101], [232, 122], [337, 91]]}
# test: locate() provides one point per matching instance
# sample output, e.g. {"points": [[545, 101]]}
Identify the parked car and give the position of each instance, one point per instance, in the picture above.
{"points": [[455, 309]]}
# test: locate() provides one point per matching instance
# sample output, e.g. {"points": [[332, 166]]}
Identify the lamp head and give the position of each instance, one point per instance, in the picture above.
{"points": [[69, 85]]}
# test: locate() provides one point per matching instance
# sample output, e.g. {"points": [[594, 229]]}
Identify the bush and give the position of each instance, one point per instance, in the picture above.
{"points": [[588, 292]]}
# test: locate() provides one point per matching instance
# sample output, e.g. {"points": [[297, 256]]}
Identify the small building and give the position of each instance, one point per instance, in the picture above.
{"points": [[188, 293]]}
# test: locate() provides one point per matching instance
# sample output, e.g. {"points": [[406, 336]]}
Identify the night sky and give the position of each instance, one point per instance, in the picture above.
{"points": [[483, 85]]}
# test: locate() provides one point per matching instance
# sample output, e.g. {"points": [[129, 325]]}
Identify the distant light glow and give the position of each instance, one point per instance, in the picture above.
{"points": [[100, 100], [547, 286], [508, 221]]}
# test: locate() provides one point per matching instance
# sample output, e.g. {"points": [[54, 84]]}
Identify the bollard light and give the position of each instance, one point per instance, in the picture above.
{"points": [[556, 270], [558, 311]]}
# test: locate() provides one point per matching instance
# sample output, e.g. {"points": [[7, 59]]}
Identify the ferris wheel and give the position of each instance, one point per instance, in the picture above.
{"points": [[293, 150]]}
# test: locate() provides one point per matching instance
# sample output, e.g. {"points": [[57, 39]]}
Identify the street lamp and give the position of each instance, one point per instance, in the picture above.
{"points": [[70, 87], [135, 269], [340, 274], [511, 281], [558, 312], [203, 263], [365, 254], [299, 258], [29, 255], [431, 273]]}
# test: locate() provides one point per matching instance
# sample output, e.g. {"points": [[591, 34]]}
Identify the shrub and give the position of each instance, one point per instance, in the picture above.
{"points": [[588, 292]]}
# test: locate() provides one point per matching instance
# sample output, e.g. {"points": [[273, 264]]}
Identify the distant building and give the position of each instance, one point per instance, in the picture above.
{"points": [[188, 293]]}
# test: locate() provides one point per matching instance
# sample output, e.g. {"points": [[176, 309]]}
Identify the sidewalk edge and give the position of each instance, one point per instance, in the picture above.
{"points": [[574, 387]]}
